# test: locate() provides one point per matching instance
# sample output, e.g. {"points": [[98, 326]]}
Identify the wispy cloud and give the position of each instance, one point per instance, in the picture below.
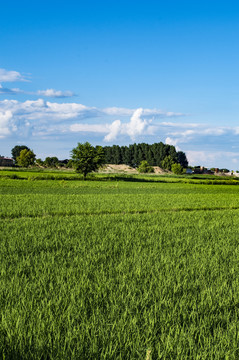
{"points": [[186, 133], [7, 91], [212, 158], [116, 111], [15, 76], [55, 93], [11, 76], [46, 93]]}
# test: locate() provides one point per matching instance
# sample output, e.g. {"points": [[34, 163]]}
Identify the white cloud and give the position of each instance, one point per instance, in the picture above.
{"points": [[5, 124], [40, 115], [55, 93], [40, 118], [10, 76], [171, 141], [114, 130], [135, 127], [186, 133], [212, 158]]}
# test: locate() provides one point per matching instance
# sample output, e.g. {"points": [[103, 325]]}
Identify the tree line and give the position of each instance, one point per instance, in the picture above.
{"points": [[86, 158], [157, 154]]}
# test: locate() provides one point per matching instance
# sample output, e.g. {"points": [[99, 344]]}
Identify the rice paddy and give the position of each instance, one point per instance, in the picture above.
{"points": [[118, 270]]}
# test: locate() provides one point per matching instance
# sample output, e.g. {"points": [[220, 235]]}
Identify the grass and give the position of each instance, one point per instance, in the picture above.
{"points": [[68, 174], [118, 270]]}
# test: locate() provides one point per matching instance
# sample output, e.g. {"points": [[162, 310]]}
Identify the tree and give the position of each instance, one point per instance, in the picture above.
{"points": [[26, 158], [16, 151], [39, 162], [144, 167], [51, 161], [182, 159], [87, 158], [167, 162], [177, 169]]}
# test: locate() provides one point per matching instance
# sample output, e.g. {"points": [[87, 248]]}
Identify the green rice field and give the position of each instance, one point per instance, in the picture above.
{"points": [[134, 268]]}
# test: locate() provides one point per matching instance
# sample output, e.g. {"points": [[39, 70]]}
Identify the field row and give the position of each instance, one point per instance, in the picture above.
{"points": [[45, 198]]}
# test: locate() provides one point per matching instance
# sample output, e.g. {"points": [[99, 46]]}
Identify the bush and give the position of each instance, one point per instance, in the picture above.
{"points": [[177, 169], [144, 167]]}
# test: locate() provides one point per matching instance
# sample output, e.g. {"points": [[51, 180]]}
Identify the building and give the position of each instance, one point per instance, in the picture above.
{"points": [[4, 161]]}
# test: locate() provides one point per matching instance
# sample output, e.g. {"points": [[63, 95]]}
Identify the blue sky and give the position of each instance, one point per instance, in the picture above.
{"points": [[119, 72]]}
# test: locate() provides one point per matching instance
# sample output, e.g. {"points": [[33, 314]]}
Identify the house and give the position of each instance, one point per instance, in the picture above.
{"points": [[5, 161]]}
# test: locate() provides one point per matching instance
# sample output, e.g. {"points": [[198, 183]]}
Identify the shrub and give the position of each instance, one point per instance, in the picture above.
{"points": [[144, 167], [177, 169]]}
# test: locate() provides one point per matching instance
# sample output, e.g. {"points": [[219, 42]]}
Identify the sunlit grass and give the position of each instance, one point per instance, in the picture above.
{"points": [[113, 270]]}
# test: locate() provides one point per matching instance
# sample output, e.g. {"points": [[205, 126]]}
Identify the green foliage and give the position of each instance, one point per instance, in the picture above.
{"points": [[224, 170], [177, 169], [182, 159], [144, 167], [70, 164], [39, 162], [26, 158], [51, 161], [167, 162], [16, 151], [132, 155], [87, 158]]}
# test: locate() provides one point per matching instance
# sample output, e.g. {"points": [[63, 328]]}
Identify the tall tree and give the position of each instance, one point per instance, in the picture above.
{"points": [[87, 158], [182, 159], [26, 158], [16, 151]]}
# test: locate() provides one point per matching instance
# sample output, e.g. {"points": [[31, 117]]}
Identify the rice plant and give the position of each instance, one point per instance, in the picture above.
{"points": [[122, 270]]}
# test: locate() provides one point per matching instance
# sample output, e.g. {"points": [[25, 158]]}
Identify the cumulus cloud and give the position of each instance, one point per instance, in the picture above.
{"points": [[135, 127], [114, 130], [10, 76], [5, 123], [55, 93]]}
